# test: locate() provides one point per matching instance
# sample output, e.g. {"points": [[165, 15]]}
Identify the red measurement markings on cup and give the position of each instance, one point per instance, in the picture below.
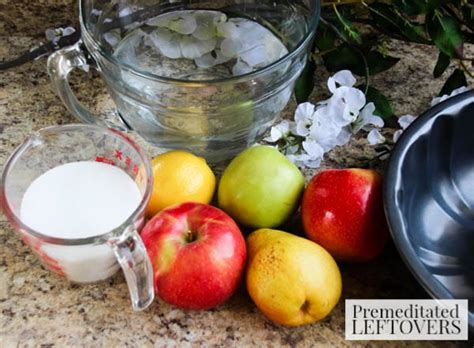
{"points": [[119, 157], [103, 159]]}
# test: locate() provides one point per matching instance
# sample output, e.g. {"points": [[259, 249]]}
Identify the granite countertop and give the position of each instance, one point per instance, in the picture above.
{"points": [[41, 309]]}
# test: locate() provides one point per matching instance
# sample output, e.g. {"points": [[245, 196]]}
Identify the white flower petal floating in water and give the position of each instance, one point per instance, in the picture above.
{"points": [[126, 50], [231, 48], [275, 49], [341, 78], [167, 42], [375, 138], [227, 30], [249, 30], [183, 22], [241, 68], [255, 56], [112, 37], [192, 48], [250, 41], [211, 59], [207, 22]]}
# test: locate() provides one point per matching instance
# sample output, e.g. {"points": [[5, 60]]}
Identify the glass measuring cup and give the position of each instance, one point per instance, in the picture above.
{"points": [[96, 258]]}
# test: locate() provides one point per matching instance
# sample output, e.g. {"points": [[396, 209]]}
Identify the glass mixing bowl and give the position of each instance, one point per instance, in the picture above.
{"points": [[181, 103]]}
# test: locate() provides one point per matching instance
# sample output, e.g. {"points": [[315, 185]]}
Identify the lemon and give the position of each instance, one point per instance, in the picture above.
{"points": [[179, 177]]}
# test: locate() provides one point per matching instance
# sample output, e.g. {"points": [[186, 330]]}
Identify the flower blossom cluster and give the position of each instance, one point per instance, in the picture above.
{"points": [[317, 129]]}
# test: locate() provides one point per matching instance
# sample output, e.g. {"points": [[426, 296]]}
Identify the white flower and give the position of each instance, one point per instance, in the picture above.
{"points": [[457, 91], [375, 138], [279, 131], [343, 137], [346, 104], [313, 148], [324, 130], [319, 129], [304, 160], [304, 118], [404, 122], [341, 78], [367, 119]]}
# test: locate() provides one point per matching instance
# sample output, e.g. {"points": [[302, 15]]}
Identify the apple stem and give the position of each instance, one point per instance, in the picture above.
{"points": [[191, 236]]}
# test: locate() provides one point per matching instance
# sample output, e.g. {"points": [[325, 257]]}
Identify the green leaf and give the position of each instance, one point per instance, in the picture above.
{"points": [[456, 80], [378, 62], [395, 24], [441, 65], [325, 39], [350, 33], [445, 33], [344, 57], [383, 107], [418, 7], [305, 84]]}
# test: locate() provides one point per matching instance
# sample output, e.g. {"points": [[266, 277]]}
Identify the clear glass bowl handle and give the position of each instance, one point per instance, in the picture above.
{"points": [[136, 266], [60, 64]]}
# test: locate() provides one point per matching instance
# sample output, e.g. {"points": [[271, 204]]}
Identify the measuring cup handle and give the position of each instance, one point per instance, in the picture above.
{"points": [[133, 258], [60, 64]]}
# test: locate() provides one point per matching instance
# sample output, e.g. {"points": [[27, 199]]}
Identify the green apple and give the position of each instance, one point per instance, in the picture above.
{"points": [[260, 188]]}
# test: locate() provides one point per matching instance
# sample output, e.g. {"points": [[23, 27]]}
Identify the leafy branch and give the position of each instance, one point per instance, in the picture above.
{"points": [[353, 35]]}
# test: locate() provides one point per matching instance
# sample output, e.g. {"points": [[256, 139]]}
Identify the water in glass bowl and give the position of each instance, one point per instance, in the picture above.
{"points": [[213, 120], [199, 45]]}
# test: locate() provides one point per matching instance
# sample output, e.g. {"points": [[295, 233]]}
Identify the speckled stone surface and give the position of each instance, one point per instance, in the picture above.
{"points": [[39, 309]]}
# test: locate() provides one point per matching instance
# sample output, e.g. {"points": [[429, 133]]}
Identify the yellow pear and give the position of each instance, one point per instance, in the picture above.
{"points": [[292, 280]]}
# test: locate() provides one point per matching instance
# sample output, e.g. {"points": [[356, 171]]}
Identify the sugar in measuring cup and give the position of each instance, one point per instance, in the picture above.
{"points": [[76, 194]]}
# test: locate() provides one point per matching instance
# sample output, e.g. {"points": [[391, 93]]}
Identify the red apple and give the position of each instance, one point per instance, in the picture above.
{"points": [[342, 211], [198, 255]]}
